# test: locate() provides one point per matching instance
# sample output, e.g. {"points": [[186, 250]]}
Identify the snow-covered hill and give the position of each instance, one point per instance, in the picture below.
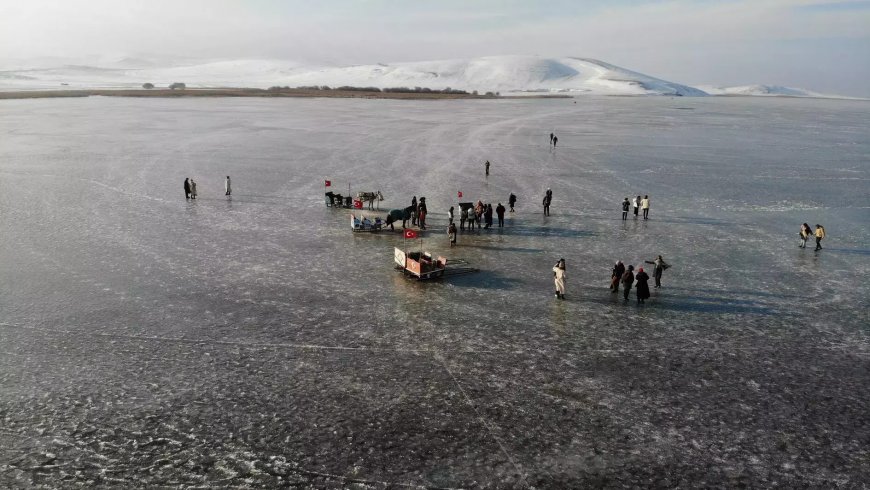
{"points": [[509, 75], [763, 91], [505, 74]]}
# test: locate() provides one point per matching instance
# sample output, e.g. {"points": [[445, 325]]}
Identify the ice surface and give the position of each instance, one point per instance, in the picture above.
{"points": [[255, 341]]}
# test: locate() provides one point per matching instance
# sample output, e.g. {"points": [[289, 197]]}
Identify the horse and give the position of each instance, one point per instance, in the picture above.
{"points": [[371, 198]]}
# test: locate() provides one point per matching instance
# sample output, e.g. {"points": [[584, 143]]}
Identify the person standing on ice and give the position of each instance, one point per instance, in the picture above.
{"points": [[548, 198], [192, 189], [487, 167], [551, 139], [625, 206], [555, 141], [451, 233], [559, 278], [511, 201], [805, 233], [463, 217], [627, 281], [659, 267], [616, 276], [414, 210], [450, 216], [635, 203], [644, 203], [487, 215], [499, 211], [187, 187], [642, 289], [421, 213], [228, 186], [820, 233]]}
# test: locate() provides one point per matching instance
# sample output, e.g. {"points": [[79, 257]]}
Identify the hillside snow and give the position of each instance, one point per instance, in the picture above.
{"points": [[505, 74]]}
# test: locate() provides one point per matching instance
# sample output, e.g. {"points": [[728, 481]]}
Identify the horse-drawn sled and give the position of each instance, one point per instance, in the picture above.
{"points": [[420, 265], [334, 200], [371, 198], [364, 224]]}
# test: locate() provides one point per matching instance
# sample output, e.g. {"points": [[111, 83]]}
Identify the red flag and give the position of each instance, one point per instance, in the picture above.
{"points": [[410, 234], [327, 183], [460, 195], [357, 203]]}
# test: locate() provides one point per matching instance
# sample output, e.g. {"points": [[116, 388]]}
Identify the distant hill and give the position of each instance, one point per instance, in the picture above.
{"points": [[509, 75]]}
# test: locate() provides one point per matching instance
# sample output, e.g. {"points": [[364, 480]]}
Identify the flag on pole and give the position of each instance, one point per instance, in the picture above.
{"points": [[460, 195], [410, 234], [327, 183], [357, 204]]}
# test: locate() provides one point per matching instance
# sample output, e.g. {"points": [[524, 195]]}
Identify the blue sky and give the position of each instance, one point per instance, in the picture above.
{"points": [[822, 45]]}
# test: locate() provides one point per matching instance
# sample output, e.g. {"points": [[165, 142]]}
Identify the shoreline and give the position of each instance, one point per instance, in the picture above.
{"points": [[254, 92]]}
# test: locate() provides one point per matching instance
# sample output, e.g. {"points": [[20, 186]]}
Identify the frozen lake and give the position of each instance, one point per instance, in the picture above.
{"points": [[149, 340]]}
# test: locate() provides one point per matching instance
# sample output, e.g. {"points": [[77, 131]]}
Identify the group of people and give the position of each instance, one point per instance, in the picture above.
{"points": [[474, 216], [806, 232], [627, 277], [637, 204], [190, 188]]}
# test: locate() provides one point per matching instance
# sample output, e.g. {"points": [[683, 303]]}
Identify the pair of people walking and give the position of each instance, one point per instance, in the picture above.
{"points": [[806, 232], [554, 140], [637, 203], [189, 188]]}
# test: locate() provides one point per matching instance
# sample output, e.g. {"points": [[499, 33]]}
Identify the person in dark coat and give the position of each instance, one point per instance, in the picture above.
{"points": [[421, 213], [555, 141], [548, 198], [463, 217], [413, 211], [511, 201], [616, 276], [187, 188], [499, 211], [627, 281], [487, 214], [625, 206], [642, 286], [487, 168]]}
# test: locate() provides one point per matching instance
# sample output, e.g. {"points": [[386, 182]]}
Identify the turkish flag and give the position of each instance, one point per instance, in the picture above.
{"points": [[460, 195], [410, 234], [327, 183], [357, 203]]}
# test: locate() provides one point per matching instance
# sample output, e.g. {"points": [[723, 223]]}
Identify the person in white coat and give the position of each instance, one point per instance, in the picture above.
{"points": [[229, 186], [559, 278]]}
